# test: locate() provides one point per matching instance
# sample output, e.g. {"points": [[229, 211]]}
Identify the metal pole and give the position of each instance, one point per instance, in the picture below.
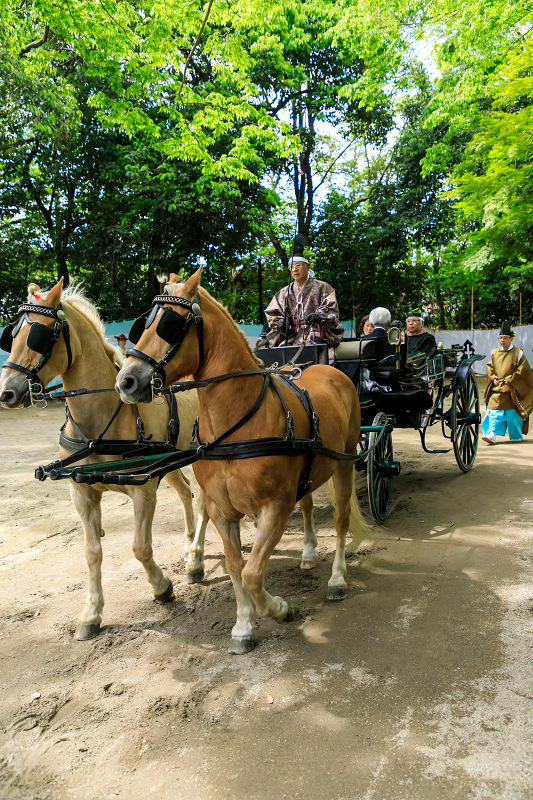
{"points": [[472, 309], [520, 318], [260, 291]]}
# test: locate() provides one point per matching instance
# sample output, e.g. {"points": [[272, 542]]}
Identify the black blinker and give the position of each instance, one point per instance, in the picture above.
{"points": [[141, 323], [170, 326], [39, 338], [152, 314], [136, 330], [6, 340]]}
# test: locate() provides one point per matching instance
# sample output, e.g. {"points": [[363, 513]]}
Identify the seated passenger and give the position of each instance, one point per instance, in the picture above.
{"points": [[380, 318], [419, 340], [304, 311], [365, 326]]}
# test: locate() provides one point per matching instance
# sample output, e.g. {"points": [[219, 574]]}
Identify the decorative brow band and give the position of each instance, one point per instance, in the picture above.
{"points": [[161, 299], [33, 309]]}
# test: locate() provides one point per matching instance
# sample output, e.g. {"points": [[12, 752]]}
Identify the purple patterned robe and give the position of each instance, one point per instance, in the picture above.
{"points": [[316, 296]]}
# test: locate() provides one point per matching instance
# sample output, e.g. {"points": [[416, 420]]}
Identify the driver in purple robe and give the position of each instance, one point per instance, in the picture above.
{"points": [[304, 311]]}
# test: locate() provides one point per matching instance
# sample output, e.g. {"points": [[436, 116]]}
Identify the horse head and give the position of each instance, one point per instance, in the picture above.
{"points": [[38, 344], [168, 342]]}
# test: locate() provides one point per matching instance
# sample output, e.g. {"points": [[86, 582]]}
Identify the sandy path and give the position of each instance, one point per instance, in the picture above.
{"points": [[418, 686]]}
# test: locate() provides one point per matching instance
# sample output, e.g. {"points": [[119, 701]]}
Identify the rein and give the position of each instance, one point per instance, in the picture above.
{"points": [[216, 450]]}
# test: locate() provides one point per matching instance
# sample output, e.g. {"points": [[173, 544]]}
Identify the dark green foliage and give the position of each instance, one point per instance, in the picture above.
{"points": [[363, 254]]}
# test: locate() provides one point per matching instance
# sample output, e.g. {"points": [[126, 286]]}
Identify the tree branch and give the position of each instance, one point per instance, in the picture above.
{"points": [[278, 247], [194, 46], [37, 43], [333, 164]]}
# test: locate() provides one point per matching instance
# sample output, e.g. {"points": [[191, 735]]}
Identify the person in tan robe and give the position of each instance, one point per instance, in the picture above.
{"points": [[509, 392]]}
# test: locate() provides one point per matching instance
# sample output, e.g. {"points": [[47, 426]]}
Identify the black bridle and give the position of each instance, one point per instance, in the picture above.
{"points": [[41, 339], [172, 328]]}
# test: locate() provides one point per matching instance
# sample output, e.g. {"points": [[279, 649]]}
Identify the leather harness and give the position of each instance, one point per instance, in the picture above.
{"points": [[217, 449], [163, 456]]}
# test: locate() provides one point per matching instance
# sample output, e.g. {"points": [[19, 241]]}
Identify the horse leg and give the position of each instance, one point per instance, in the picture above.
{"points": [[193, 552], [144, 502], [242, 640], [87, 503], [270, 526], [309, 553], [343, 485], [195, 561]]}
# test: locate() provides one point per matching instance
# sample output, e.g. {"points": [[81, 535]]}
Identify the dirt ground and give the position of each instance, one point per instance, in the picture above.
{"points": [[416, 687]]}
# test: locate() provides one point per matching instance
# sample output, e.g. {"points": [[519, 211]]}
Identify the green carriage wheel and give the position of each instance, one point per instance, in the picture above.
{"points": [[464, 423], [380, 469]]}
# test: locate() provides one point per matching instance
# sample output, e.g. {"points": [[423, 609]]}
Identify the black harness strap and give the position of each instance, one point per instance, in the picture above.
{"points": [[304, 482], [206, 447], [83, 446], [138, 475]]}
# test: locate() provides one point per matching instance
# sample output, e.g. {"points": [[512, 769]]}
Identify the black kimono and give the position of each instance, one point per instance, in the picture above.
{"points": [[421, 343]]}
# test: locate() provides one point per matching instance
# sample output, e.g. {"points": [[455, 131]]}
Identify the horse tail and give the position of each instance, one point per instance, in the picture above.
{"points": [[357, 527]]}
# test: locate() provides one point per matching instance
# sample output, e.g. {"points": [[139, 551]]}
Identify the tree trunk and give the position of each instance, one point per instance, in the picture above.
{"points": [[235, 279], [62, 268], [154, 251]]}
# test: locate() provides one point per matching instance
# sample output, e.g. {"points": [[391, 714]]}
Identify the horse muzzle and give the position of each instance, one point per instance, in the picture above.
{"points": [[134, 383], [12, 396]]}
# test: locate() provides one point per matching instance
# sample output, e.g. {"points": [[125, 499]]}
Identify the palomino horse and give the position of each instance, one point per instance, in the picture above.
{"points": [[84, 359], [264, 488]]}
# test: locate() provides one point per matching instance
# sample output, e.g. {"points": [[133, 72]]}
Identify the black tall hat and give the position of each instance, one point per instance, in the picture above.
{"points": [[416, 312], [506, 329], [299, 243]]}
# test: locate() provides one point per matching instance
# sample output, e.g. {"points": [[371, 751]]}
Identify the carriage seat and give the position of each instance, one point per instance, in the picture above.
{"points": [[412, 374], [350, 353], [355, 350]]}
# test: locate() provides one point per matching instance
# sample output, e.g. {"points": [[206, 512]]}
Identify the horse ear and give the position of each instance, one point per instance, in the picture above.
{"points": [[173, 278], [33, 289], [193, 283], [54, 295]]}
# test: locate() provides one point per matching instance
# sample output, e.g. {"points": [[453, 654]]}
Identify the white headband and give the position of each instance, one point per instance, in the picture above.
{"points": [[294, 259]]}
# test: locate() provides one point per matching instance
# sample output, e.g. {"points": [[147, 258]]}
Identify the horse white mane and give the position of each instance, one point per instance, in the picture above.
{"points": [[74, 295]]}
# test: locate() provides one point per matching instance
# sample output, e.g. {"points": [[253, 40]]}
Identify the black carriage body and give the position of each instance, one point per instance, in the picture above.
{"points": [[272, 356], [414, 392]]}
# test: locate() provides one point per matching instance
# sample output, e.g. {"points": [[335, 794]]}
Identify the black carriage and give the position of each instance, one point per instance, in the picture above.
{"points": [[404, 392], [400, 391]]}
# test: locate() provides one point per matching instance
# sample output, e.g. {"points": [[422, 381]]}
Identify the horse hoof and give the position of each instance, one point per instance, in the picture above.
{"points": [[195, 576], [86, 630], [166, 596], [308, 564], [336, 593], [239, 647], [290, 615]]}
